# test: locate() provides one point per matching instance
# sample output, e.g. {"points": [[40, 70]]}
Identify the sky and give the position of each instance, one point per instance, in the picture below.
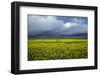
{"points": [[56, 25]]}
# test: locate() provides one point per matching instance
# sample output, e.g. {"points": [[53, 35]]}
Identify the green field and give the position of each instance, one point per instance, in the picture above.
{"points": [[52, 49]]}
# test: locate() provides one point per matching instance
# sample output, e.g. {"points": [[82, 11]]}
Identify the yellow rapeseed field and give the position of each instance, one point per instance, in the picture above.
{"points": [[52, 49]]}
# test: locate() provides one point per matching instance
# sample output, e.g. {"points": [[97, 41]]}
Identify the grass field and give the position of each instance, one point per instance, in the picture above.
{"points": [[52, 49]]}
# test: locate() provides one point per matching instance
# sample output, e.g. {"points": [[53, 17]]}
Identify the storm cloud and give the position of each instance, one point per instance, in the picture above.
{"points": [[58, 25]]}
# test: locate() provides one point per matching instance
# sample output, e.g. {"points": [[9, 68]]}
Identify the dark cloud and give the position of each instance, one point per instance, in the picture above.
{"points": [[52, 25], [39, 24]]}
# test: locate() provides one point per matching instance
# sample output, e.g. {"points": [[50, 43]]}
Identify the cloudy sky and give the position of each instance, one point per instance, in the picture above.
{"points": [[56, 25]]}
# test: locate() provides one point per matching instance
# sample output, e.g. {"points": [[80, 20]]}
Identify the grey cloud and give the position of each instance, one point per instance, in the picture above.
{"points": [[40, 24]]}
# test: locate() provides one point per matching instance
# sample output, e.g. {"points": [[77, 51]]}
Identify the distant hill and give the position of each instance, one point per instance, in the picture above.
{"points": [[79, 35]]}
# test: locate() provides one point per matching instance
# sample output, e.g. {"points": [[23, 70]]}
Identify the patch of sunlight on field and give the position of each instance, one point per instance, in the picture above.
{"points": [[51, 49]]}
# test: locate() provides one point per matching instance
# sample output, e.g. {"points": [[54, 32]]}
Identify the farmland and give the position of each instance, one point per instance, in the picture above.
{"points": [[52, 49]]}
